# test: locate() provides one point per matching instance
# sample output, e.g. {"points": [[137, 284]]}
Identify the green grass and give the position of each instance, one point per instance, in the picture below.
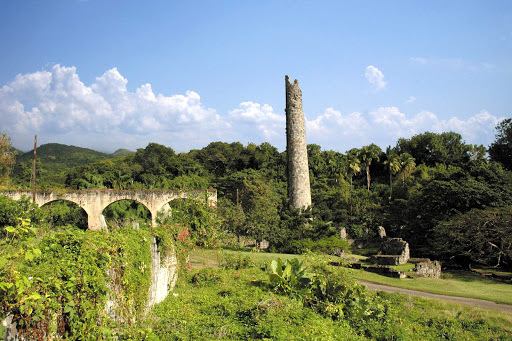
{"points": [[462, 283], [494, 271], [404, 267], [212, 257], [225, 304]]}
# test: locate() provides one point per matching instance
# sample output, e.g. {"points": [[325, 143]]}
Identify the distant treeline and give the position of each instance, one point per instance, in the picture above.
{"points": [[448, 199]]}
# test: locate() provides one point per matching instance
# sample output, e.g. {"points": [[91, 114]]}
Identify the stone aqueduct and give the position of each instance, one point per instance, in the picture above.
{"points": [[95, 201]]}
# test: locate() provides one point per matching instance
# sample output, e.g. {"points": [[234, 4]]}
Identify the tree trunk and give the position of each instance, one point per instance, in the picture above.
{"points": [[368, 176], [390, 185]]}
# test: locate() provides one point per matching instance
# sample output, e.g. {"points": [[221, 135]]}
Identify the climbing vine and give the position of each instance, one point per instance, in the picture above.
{"points": [[189, 223], [64, 286]]}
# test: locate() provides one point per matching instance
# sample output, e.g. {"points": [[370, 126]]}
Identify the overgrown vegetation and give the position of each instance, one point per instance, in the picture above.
{"points": [[228, 304], [57, 282], [413, 189]]}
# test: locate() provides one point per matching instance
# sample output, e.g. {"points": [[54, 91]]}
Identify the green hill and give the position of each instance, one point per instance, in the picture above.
{"points": [[59, 157], [121, 152]]}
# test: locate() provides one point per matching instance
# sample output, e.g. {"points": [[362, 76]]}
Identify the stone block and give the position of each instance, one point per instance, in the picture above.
{"points": [[429, 268]]}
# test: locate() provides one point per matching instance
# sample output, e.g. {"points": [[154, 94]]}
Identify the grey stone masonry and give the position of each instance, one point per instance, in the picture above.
{"points": [[394, 251], [299, 190], [429, 268]]}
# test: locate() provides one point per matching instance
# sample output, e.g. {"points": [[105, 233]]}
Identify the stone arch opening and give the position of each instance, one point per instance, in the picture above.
{"points": [[126, 213], [171, 211], [63, 212]]}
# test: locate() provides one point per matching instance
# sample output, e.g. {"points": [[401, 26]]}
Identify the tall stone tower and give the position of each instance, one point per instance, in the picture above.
{"points": [[299, 190]]}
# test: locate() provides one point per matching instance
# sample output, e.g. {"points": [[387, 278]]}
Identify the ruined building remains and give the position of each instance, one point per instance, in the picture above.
{"points": [[299, 190]]}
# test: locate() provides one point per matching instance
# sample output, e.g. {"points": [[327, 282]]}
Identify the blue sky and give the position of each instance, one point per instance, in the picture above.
{"points": [[120, 74]]}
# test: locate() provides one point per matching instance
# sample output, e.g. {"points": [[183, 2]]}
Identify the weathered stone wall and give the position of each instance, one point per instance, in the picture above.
{"points": [[10, 330], [381, 231], [394, 247], [299, 190], [429, 268], [164, 274]]}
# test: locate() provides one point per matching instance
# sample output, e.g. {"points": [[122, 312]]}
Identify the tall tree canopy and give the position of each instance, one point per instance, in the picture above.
{"points": [[431, 149], [7, 158], [501, 149], [367, 154]]}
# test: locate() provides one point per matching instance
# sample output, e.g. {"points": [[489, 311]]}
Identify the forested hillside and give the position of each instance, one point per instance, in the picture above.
{"points": [[53, 159], [445, 197]]}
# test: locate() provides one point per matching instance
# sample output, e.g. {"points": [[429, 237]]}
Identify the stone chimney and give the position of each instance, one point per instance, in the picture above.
{"points": [[299, 190]]}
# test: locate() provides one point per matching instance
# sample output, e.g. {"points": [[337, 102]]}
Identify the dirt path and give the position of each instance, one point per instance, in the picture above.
{"points": [[462, 300]]}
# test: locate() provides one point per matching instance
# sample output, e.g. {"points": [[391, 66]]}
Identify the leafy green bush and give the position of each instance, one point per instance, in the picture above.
{"points": [[205, 277], [11, 211], [290, 277], [330, 245], [236, 261], [63, 288], [333, 294], [196, 216]]}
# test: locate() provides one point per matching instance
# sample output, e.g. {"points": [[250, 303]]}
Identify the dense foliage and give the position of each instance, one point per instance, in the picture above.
{"points": [[7, 159], [442, 195], [410, 189], [501, 149], [246, 304], [56, 283]]}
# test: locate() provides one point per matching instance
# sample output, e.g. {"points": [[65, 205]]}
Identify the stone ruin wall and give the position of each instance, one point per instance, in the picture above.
{"points": [[429, 268], [299, 190]]}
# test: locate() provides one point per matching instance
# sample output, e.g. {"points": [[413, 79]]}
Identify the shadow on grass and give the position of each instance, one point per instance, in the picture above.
{"points": [[466, 276]]}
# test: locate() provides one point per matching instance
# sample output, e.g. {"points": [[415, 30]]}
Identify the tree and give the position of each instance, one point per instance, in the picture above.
{"points": [[260, 208], [353, 165], [501, 149], [367, 154], [232, 216], [7, 158], [431, 149], [406, 165], [483, 237], [155, 159], [393, 164], [444, 192]]}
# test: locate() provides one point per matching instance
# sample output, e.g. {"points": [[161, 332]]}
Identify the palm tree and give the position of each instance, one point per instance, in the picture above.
{"points": [[407, 165], [353, 167], [393, 163], [367, 154]]}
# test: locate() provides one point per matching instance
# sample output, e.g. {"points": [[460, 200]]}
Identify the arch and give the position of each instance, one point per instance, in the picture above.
{"points": [[111, 213], [53, 199], [94, 201], [66, 215]]}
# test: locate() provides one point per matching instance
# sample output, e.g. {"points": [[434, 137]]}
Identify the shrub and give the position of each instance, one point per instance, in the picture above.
{"points": [[236, 261], [332, 245], [205, 277]]}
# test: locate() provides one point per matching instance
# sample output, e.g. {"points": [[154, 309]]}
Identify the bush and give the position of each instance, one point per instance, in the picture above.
{"points": [[330, 245], [63, 288], [236, 261], [11, 211], [205, 277]]}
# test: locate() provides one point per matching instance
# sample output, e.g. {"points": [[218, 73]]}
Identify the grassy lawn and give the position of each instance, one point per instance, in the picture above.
{"points": [[227, 304], [212, 257], [463, 284]]}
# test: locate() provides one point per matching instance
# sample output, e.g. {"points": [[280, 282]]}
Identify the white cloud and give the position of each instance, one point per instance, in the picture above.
{"points": [[375, 77], [384, 126], [411, 99], [250, 114], [58, 107], [419, 60], [56, 103]]}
